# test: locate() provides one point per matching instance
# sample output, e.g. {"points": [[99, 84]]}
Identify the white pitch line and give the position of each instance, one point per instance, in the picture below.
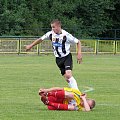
{"points": [[89, 89], [106, 104]]}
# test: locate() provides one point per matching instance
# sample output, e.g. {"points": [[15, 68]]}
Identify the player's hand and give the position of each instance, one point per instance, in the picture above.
{"points": [[28, 47], [43, 92], [83, 96], [40, 92], [79, 58]]}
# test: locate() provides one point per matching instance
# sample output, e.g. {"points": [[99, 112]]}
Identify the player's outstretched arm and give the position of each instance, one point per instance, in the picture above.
{"points": [[28, 47], [85, 103], [79, 53]]}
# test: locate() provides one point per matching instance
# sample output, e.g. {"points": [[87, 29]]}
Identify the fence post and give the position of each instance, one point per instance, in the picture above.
{"points": [[114, 47], [18, 45], [115, 42], [96, 46], [38, 47]]}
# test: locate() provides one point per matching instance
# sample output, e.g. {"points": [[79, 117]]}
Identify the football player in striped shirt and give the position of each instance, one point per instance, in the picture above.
{"points": [[61, 42]]}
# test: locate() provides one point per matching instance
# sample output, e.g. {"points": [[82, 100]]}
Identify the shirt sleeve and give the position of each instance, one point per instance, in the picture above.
{"points": [[46, 36], [72, 39]]}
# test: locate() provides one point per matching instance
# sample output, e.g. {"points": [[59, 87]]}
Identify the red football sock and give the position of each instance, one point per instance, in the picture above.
{"points": [[59, 106], [58, 94]]}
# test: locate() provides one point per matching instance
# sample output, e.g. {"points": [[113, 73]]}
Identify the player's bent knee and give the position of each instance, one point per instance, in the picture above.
{"points": [[68, 74]]}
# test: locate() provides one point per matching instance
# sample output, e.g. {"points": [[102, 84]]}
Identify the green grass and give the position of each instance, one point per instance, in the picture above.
{"points": [[22, 76]]}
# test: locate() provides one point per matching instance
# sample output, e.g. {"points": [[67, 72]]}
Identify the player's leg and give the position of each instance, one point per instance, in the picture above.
{"points": [[59, 94], [68, 72], [70, 79], [60, 64], [51, 99], [46, 100], [57, 106], [56, 103], [53, 103], [65, 65]]}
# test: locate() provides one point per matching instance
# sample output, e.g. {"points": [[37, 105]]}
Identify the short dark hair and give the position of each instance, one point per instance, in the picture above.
{"points": [[56, 21], [93, 104]]}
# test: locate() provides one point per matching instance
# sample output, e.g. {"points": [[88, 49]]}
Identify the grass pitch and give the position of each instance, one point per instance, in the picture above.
{"points": [[22, 76]]}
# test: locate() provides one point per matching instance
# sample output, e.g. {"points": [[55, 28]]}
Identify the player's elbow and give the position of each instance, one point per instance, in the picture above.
{"points": [[71, 107], [39, 40], [69, 95], [79, 42]]}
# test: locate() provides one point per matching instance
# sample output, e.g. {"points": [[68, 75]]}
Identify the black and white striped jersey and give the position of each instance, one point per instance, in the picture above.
{"points": [[60, 42]]}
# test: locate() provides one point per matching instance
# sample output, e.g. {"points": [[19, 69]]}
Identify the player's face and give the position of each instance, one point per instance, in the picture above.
{"points": [[56, 28], [89, 102]]}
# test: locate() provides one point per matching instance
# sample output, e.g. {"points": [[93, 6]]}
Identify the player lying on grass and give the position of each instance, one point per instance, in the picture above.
{"points": [[66, 99]]}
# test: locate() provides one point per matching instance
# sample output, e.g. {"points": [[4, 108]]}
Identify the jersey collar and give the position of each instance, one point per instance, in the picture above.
{"points": [[58, 33]]}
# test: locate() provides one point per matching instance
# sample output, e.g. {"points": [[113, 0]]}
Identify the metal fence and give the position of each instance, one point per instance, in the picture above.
{"points": [[95, 46]]}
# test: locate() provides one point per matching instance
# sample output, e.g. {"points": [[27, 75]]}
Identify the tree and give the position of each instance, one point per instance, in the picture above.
{"points": [[83, 18]]}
